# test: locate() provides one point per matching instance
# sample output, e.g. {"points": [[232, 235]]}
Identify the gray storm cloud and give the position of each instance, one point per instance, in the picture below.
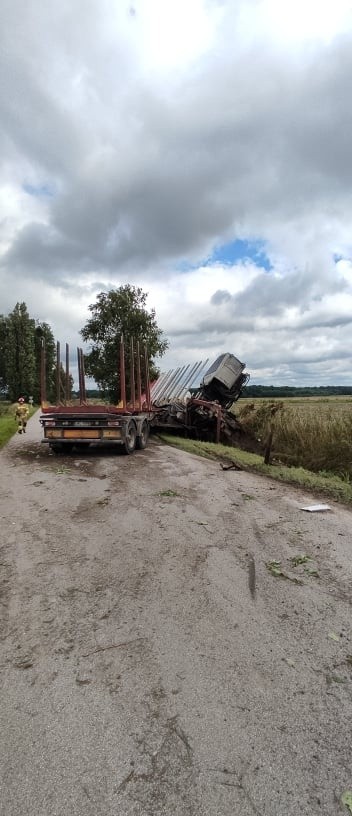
{"points": [[147, 169]]}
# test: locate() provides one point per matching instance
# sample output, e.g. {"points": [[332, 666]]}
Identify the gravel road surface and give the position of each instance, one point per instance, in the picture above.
{"points": [[151, 663]]}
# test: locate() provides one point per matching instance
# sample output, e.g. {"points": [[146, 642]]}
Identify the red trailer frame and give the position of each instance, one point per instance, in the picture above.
{"points": [[69, 424]]}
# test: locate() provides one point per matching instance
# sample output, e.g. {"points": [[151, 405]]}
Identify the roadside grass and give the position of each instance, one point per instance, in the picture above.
{"points": [[327, 484], [8, 425]]}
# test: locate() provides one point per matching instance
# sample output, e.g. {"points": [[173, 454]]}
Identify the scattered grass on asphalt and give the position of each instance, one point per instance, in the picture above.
{"points": [[327, 484]]}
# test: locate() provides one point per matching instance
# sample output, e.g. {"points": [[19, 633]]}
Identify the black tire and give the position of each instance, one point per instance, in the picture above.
{"points": [[130, 438], [57, 448], [142, 439]]}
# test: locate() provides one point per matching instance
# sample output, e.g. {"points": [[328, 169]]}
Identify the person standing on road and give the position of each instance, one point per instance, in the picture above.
{"points": [[21, 415]]}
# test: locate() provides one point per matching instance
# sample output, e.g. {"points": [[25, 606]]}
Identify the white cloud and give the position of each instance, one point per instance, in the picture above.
{"points": [[171, 35], [139, 135], [301, 20]]}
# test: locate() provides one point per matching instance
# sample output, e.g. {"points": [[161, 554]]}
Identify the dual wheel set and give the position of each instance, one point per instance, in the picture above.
{"points": [[133, 439]]}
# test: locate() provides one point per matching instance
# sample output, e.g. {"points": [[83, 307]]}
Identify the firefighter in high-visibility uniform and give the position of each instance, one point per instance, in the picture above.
{"points": [[21, 415]]}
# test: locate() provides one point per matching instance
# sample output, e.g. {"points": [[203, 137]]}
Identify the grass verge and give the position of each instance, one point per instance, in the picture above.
{"points": [[8, 424], [326, 484]]}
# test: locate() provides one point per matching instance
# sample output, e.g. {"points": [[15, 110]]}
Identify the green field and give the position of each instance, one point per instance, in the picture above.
{"points": [[310, 432], [306, 405]]}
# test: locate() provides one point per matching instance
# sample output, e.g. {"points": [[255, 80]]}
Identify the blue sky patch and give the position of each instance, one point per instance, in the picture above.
{"points": [[39, 190], [234, 252], [237, 251]]}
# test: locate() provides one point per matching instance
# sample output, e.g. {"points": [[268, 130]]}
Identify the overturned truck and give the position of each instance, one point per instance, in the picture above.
{"points": [[191, 400], [202, 412]]}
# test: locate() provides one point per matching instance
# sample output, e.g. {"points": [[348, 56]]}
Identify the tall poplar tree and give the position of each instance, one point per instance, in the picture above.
{"points": [[19, 352]]}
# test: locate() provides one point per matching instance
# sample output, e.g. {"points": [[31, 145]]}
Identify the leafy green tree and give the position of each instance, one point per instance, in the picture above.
{"points": [[119, 312], [19, 352]]}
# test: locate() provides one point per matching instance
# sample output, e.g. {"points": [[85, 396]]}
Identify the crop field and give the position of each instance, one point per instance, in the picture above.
{"points": [[323, 406], [310, 432]]}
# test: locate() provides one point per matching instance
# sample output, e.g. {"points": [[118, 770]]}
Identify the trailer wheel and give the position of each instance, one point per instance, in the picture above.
{"points": [[142, 439], [56, 448], [130, 438], [59, 449]]}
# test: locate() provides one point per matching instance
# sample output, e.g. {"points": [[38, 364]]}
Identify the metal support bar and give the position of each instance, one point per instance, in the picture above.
{"points": [[122, 373], [166, 389], [175, 383], [67, 375], [147, 378], [133, 388], [83, 379], [79, 375], [159, 384], [139, 381], [58, 390], [43, 372]]}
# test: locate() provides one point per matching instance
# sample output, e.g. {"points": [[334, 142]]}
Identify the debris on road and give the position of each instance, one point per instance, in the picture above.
{"points": [[231, 466], [316, 508]]}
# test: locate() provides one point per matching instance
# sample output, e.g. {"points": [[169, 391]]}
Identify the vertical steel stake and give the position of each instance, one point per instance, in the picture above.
{"points": [[122, 374]]}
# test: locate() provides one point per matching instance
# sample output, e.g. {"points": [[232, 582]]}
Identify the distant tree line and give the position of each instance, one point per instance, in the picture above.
{"points": [[21, 338], [290, 391], [94, 393]]}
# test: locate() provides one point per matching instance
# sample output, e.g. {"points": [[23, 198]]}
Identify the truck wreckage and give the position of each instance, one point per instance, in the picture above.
{"points": [[193, 400], [202, 412]]}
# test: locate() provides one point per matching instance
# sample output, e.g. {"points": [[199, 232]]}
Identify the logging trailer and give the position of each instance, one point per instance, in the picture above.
{"points": [[78, 424]]}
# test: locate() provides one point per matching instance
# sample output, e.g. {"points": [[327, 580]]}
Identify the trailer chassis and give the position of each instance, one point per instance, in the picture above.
{"points": [[65, 430]]}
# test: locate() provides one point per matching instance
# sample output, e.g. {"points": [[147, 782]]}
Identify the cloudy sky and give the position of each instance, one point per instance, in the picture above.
{"points": [[201, 149]]}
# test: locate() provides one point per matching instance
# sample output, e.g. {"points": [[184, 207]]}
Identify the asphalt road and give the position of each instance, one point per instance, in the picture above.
{"points": [[142, 671]]}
